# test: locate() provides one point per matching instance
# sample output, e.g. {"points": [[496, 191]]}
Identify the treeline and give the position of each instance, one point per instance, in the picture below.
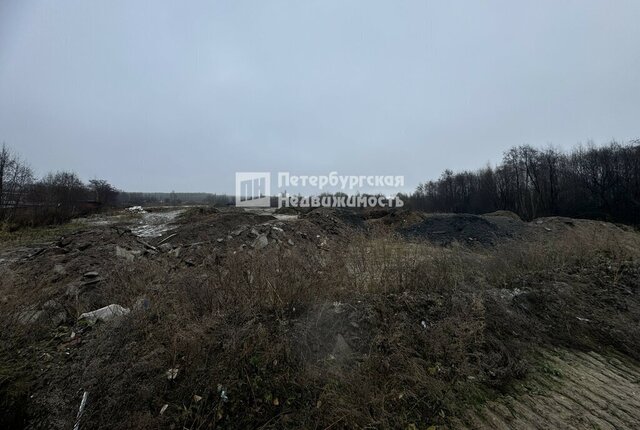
{"points": [[54, 198], [173, 198], [587, 182]]}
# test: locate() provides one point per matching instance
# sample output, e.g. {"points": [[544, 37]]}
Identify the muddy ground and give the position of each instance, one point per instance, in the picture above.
{"points": [[227, 318]]}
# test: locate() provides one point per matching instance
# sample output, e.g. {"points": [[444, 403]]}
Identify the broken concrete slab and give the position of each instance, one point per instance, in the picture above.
{"points": [[260, 242], [125, 253], [106, 313]]}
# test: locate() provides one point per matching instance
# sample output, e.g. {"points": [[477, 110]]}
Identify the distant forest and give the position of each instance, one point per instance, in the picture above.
{"points": [[598, 182], [173, 198]]}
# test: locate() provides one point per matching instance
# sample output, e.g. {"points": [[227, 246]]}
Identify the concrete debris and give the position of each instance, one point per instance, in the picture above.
{"points": [[261, 241], [239, 230], [105, 314], [125, 253], [505, 293], [166, 247], [137, 209]]}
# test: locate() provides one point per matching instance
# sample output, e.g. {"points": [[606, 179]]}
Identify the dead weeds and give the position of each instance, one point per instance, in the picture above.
{"points": [[242, 320]]}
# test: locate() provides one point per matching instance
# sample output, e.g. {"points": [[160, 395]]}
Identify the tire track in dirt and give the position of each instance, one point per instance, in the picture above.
{"points": [[581, 391]]}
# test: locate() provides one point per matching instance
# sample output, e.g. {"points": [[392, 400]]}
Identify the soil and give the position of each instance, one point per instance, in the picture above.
{"points": [[295, 320], [445, 229]]}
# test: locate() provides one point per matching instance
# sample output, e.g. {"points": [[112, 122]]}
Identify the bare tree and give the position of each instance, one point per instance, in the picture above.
{"points": [[15, 179], [103, 191], [592, 182]]}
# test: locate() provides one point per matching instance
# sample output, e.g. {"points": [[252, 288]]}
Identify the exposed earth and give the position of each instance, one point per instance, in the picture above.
{"points": [[224, 318]]}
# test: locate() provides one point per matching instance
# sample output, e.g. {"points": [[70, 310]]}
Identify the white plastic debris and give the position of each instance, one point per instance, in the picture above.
{"points": [[83, 403], [164, 408], [223, 393], [137, 209], [172, 373], [105, 314]]}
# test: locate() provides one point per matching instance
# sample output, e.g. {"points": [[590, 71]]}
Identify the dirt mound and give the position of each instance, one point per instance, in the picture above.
{"points": [[445, 229], [75, 271], [399, 219], [199, 212], [336, 221], [212, 226], [375, 213], [286, 211], [507, 214]]}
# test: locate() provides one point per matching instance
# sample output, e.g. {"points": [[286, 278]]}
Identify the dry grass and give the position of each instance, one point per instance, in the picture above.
{"points": [[259, 336]]}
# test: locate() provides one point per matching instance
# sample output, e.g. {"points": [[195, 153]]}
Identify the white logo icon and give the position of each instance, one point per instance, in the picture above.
{"points": [[253, 189]]}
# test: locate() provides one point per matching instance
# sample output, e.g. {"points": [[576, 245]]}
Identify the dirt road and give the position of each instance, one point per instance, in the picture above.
{"points": [[575, 390]]}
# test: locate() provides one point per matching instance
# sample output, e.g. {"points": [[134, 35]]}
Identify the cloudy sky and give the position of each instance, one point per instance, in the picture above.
{"points": [[179, 95]]}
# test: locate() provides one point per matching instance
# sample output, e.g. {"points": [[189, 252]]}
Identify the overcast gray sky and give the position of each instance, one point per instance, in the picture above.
{"points": [[179, 95]]}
